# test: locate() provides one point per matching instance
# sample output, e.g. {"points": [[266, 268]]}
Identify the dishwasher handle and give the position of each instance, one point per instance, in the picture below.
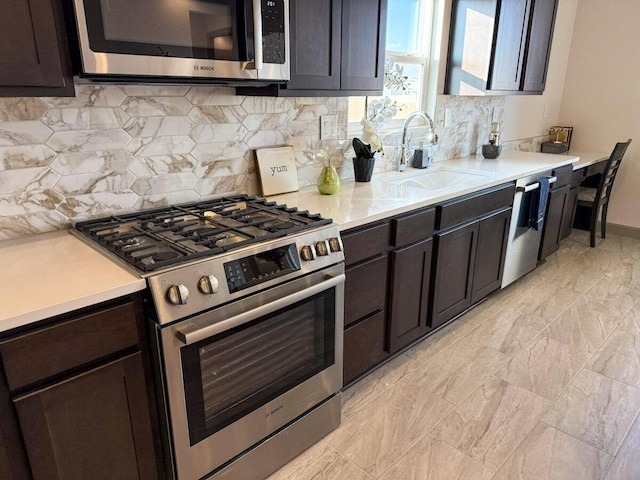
{"points": [[534, 186]]}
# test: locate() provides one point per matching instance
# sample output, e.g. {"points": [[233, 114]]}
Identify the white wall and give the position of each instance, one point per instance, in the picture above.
{"points": [[602, 93], [531, 115]]}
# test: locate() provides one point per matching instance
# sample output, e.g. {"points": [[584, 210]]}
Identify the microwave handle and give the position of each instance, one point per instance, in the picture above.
{"points": [[257, 34], [191, 333]]}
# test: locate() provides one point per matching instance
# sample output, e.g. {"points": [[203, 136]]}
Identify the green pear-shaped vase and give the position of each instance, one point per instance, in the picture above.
{"points": [[329, 181]]}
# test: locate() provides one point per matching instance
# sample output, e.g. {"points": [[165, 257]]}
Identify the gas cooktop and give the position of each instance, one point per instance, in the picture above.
{"points": [[163, 237]]}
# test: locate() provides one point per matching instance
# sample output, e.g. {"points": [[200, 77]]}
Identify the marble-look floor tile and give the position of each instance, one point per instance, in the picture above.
{"points": [[388, 426], [549, 454], [438, 341], [359, 394], [433, 459], [458, 370], [626, 464], [584, 326], [545, 367], [508, 332], [320, 462], [613, 296], [596, 410], [619, 358], [492, 422]]}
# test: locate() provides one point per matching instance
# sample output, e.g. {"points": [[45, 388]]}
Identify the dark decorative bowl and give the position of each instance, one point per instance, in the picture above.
{"points": [[491, 150]]}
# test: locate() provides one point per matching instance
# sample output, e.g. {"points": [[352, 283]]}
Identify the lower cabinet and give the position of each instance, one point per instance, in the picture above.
{"points": [[95, 425], [454, 266], [558, 207], [76, 398], [409, 294], [409, 274]]}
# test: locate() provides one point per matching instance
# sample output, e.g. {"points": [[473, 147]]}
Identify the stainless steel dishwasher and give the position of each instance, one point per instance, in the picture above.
{"points": [[524, 242]]}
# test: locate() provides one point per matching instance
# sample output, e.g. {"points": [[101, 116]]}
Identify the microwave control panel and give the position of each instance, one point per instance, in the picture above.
{"points": [[273, 39]]}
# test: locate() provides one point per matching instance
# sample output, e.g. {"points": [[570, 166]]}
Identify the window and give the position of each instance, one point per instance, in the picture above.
{"points": [[409, 59]]}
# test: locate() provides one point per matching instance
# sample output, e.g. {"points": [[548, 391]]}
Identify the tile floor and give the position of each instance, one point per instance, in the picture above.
{"points": [[541, 381]]}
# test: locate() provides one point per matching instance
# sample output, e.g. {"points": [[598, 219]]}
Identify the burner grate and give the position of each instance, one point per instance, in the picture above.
{"points": [[162, 237]]}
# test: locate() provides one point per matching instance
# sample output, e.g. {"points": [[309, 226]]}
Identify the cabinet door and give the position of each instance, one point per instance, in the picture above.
{"points": [[95, 425], [13, 458], [315, 44], [558, 203], [569, 212], [509, 47], [408, 304], [34, 58], [454, 266], [493, 234], [539, 46], [364, 24]]}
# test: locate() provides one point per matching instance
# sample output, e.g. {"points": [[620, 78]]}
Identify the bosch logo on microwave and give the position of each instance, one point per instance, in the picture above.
{"points": [[202, 68]]}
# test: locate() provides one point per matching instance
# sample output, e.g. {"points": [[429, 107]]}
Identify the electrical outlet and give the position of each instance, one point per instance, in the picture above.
{"points": [[447, 117], [328, 127]]}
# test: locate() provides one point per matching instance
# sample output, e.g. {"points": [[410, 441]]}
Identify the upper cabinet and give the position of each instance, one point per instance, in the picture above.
{"points": [[337, 48], [34, 55], [499, 46]]}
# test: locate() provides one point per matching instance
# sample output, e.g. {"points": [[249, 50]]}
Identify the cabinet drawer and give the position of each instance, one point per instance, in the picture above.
{"points": [[365, 243], [577, 176], [31, 357], [564, 174], [364, 346], [365, 289], [413, 227], [467, 207]]}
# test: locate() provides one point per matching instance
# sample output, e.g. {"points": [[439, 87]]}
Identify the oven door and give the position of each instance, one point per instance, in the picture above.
{"points": [[225, 39], [239, 373]]}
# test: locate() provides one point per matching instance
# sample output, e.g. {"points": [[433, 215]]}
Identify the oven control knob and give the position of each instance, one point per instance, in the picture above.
{"points": [[306, 253], [322, 249], [208, 285], [334, 244], [178, 295]]}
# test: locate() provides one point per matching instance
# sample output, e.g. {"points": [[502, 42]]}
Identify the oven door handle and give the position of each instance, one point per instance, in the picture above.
{"points": [[191, 333]]}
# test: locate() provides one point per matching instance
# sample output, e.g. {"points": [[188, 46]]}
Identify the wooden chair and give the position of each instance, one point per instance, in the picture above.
{"points": [[598, 198]]}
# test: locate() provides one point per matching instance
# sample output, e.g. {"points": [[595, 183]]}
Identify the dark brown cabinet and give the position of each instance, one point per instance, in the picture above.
{"points": [[470, 250], [34, 55], [337, 48], [510, 52], [410, 278], [79, 397], [560, 210], [453, 272], [365, 336]]}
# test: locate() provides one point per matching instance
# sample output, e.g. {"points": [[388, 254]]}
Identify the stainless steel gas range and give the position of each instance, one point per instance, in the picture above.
{"points": [[245, 300]]}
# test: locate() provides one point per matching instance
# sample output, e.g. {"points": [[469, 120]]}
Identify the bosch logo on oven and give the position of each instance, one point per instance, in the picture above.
{"points": [[275, 410]]}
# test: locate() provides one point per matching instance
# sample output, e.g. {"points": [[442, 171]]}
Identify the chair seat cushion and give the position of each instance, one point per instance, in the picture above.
{"points": [[587, 194]]}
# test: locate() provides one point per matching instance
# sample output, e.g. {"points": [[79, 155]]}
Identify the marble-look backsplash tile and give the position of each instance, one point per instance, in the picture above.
{"points": [[118, 148]]}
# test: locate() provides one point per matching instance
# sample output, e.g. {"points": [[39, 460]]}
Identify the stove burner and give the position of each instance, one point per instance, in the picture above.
{"points": [[126, 243], [164, 256]]}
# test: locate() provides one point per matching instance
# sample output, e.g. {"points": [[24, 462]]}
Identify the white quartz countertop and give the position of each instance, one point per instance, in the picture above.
{"points": [[54, 273], [393, 193]]}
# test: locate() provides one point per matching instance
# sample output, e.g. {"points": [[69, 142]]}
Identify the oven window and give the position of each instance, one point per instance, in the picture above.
{"points": [[236, 372], [206, 29]]}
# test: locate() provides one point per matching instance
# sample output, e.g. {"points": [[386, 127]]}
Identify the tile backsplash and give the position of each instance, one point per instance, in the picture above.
{"points": [[120, 148]]}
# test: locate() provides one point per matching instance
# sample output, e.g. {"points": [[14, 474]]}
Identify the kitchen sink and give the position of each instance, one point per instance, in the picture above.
{"points": [[440, 179]]}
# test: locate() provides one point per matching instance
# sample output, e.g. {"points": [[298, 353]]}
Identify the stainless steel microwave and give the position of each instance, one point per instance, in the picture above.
{"points": [[183, 40]]}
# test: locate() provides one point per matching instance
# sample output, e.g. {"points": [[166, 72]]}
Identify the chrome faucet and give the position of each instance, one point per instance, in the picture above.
{"points": [[406, 149]]}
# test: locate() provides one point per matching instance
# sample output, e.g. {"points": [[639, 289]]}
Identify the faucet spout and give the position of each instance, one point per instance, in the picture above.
{"points": [[405, 147]]}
